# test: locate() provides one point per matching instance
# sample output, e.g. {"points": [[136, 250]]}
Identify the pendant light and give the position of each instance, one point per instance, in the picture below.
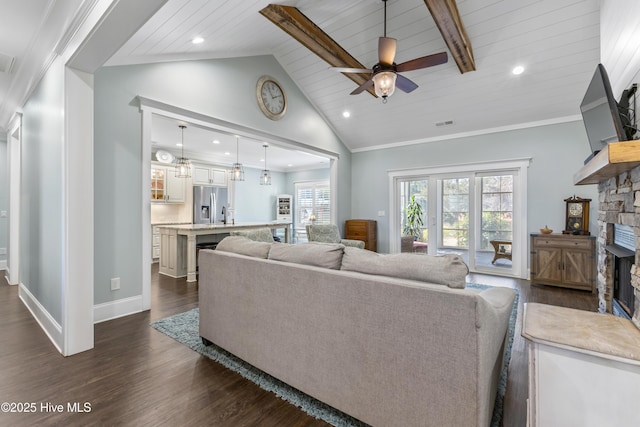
{"points": [[183, 165], [237, 171], [265, 177]]}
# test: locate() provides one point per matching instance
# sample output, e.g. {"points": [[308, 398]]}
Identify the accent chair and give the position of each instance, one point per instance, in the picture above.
{"points": [[259, 234], [329, 233]]}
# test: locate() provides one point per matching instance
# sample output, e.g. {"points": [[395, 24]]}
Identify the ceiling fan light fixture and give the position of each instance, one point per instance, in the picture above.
{"points": [[385, 84]]}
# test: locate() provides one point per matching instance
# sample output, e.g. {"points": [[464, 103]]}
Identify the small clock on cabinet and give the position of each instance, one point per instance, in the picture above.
{"points": [[577, 216], [271, 98]]}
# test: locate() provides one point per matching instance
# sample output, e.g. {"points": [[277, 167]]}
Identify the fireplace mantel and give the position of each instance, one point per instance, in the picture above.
{"points": [[614, 159]]}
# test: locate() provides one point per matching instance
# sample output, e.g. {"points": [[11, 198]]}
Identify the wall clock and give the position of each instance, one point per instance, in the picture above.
{"points": [[271, 98], [577, 216]]}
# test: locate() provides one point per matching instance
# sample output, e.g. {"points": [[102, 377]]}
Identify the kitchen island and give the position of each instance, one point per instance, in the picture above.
{"points": [[178, 243]]}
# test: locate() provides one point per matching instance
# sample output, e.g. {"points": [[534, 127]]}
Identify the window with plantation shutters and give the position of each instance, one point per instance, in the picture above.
{"points": [[313, 199]]}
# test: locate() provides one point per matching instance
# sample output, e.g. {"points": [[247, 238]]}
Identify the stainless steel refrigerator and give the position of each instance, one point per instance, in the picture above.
{"points": [[210, 204]]}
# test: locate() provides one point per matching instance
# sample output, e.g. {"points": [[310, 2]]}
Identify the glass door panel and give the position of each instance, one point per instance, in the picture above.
{"points": [[494, 250], [455, 216], [414, 233]]}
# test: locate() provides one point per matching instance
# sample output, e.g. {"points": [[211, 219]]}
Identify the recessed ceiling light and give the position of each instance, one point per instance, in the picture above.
{"points": [[215, 141], [179, 144], [290, 164], [226, 153], [518, 70], [346, 114], [197, 40]]}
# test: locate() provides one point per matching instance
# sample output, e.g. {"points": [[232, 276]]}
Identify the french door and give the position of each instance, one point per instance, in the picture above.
{"points": [[477, 214]]}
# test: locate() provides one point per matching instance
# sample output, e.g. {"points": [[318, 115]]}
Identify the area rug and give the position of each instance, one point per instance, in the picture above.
{"points": [[184, 329]]}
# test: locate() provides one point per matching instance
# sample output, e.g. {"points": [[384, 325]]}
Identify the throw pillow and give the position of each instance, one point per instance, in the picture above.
{"points": [[244, 246], [327, 255], [449, 270]]}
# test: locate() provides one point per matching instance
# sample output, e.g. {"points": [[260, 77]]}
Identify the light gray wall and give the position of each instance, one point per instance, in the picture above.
{"points": [[4, 199], [556, 152], [255, 202], [41, 204], [224, 89]]}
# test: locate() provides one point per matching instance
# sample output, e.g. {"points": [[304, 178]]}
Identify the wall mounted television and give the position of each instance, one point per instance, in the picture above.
{"points": [[605, 119]]}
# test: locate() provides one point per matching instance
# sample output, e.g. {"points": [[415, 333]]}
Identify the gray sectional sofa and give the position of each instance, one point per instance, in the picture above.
{"points": [[392, 340]]}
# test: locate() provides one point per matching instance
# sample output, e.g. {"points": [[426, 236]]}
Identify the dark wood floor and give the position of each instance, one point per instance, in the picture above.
{"points": [[140, 377]]}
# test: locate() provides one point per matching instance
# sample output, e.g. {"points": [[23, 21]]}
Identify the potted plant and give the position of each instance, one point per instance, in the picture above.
{"points": [[413, 226]]}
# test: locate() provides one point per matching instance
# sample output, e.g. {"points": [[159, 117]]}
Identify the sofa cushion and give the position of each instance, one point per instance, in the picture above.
{"points": [[244, 246], [327, 255], [449, 270]]}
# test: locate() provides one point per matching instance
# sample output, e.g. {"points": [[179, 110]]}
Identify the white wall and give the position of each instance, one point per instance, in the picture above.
{"points": [[619, 41], [223, 89], [4, 203], [557, 152]]}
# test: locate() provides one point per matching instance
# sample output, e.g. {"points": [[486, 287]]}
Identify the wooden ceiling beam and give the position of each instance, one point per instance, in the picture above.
{"points": [[447, 18], [301, 28]]}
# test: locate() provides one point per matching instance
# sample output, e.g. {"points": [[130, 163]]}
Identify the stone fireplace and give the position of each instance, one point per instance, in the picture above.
{"points": [[619, 203]]}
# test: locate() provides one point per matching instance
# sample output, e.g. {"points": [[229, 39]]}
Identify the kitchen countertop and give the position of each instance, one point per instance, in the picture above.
{"points": [[240, 225], [183, 248]]}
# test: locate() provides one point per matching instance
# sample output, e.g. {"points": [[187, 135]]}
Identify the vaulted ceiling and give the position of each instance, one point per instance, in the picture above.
{"points": [[557, 42]]}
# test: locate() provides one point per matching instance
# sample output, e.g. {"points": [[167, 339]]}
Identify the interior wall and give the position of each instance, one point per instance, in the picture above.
{"points": [[4, 202], [194, 86], [41, 192], [556, 152], [255, 202]]}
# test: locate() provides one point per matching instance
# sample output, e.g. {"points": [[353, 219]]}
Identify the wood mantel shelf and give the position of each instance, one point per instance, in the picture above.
{"points": [[614, 159]]}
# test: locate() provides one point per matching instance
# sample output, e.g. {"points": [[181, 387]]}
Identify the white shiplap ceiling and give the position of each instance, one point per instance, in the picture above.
{"points": [[557, 41]]}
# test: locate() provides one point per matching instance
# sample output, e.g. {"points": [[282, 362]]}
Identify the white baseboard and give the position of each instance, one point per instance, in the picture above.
{"points": [[119, 308], [48, 324]]}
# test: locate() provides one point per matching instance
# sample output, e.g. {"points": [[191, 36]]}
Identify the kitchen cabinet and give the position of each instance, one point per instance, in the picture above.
{"points": [[165, 187], [362, 229], [284, 207], [155, 243], [207, 175], [564, 260]]}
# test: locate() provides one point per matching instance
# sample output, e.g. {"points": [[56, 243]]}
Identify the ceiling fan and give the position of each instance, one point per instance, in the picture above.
{"points": [[384, 75], [445, 14]]}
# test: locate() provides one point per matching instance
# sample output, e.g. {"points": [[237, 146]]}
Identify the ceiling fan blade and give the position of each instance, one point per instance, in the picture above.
{"points": [[424, 62], [366, 85], [404, 84], [297, 25], [352, 70], [386, 50]]}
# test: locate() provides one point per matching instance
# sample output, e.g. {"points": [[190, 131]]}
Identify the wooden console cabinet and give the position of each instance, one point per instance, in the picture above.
{"points": [[564, 260], [362, 229]]}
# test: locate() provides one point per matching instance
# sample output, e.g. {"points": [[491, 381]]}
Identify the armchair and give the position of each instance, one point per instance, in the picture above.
{"points": [[329, 233]]}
